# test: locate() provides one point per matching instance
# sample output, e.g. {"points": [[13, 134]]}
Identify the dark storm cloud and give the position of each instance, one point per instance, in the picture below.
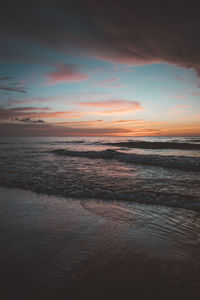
{"points": [[145, 31], [133, 32], [58, 24]]}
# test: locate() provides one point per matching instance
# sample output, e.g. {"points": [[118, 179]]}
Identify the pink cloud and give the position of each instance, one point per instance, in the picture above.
{"points": [[66, 73], [109, 80], [195, 94], [178, 96], [179, 109], [110, 83]]}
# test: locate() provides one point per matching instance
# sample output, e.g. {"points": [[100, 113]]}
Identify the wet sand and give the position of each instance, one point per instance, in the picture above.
{"points": [[56, 248]]}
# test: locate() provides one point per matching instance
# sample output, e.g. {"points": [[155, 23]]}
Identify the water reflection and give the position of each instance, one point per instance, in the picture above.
{"points": [[55, 247]]}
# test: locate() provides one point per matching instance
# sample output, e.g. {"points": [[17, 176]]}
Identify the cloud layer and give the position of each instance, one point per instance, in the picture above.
{"points": [[47, 43], [133, 32], [27, 113]]}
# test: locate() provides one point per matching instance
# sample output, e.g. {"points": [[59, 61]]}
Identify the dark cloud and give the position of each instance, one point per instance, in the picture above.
{"points": [[5, 78], [24, 112], [28, 108], [150, 31], [31, 129], [27, 113], [133, 32], [13, 89], [11, 102], [28, 120]]}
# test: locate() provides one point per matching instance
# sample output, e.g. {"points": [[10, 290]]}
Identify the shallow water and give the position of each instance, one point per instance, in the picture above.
{"points": [[57, 248], [167, 177]]}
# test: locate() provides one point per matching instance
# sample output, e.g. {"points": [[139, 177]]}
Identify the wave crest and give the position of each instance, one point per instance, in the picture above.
{"points": [[173, 162]]}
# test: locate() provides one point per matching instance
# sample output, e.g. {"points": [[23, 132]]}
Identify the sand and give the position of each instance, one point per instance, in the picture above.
{"points": [[56, 248]]}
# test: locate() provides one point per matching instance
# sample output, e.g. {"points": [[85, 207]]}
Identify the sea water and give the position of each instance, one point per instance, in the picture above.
{"points": [[156, 170]]}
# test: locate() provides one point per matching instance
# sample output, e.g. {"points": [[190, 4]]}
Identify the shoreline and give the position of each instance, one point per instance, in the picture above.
{"points": [[57, 248], [193, 206]]}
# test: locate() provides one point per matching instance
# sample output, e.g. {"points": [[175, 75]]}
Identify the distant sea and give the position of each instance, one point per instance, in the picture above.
{"points": [[156, 170]]}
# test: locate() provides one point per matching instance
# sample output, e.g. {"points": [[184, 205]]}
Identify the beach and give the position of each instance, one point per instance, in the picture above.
{"points": [[63, 248]]}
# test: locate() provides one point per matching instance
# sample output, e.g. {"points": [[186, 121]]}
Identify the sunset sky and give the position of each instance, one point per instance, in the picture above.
{"points": [[124, 68]]}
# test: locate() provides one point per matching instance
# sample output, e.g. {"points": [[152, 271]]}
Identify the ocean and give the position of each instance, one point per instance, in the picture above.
{"points": [[100, 218], [156, 170]]}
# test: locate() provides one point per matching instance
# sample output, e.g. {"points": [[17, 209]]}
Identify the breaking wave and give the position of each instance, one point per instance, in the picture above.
{"points": [[55, 187], [173, 162], [156, 145]]}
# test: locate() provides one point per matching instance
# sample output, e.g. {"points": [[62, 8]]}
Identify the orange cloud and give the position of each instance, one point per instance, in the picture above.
{"points": [[113, 107], [83, 123], [182, 131], [141, 127], [116, 128], [59, 114]]}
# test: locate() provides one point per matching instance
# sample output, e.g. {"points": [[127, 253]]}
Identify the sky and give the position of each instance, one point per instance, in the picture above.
{"points": [[91, 67]]}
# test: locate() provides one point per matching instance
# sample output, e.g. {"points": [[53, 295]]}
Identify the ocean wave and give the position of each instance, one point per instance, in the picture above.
{"points": [[155, 145], [194, 140], [173, 162], [80, 192], [74, 142], [65, 142]]}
